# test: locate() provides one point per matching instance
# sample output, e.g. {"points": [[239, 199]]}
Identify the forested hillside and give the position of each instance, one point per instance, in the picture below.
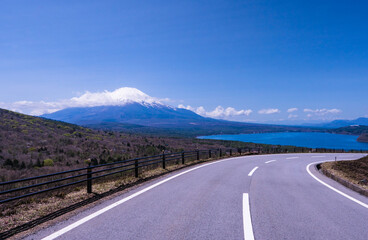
{"points": [[360, 130]]}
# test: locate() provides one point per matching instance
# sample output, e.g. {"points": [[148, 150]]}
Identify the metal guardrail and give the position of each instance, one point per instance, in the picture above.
{"points": [[27, 187]]}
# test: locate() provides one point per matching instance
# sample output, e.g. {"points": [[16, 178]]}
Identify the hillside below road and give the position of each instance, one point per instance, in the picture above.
{"points": [[253, 197]]}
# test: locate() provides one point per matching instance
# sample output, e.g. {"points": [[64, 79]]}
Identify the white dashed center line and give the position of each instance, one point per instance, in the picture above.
{"points": [[247, 220], [251, 172], [270, 161]]}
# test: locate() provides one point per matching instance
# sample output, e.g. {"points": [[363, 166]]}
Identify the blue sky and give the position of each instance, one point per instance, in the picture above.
{"points": [[263, 56]]}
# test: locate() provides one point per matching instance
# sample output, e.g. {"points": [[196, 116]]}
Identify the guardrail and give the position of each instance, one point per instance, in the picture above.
{"points": [[27, 187]]}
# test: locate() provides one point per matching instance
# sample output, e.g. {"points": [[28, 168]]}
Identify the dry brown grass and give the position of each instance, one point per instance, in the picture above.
{"points": [[355, 171], [25, 212]]}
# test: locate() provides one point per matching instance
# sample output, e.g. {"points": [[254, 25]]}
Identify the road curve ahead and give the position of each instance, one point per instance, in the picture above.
{"points": [[254, 197]]}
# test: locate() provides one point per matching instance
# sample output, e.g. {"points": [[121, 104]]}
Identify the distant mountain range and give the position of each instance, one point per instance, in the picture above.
{"points": [[342, 123], [154, 118]]}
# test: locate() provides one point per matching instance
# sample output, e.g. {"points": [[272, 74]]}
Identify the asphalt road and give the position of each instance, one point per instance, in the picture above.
{"points": [[210, 201]]}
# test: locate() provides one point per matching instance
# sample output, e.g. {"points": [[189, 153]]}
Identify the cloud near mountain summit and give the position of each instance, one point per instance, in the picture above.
{"points": [[117, 97]]}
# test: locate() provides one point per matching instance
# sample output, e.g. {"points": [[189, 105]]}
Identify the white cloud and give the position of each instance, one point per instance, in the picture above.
{"points": [[269, 111], [290, 110], [186, 107], [201, 111], [218, 112], [323, 111], [33, 108], [117, 97]]}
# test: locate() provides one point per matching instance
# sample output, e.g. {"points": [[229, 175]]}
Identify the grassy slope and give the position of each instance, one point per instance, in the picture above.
{"points": [[352, 171]]}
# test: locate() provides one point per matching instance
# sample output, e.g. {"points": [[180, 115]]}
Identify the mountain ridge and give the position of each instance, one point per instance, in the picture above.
{"points": [[341, 123], [132, 113]]}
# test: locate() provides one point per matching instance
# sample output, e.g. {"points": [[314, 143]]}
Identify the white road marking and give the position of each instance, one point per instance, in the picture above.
{"points": [[334, 189], [270, 161], [105, 209], [247, 220], [318, 156], [251, 172], [292, 157]]}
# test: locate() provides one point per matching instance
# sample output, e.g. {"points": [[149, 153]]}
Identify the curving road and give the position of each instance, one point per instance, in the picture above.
{"points": [[254, 197]]}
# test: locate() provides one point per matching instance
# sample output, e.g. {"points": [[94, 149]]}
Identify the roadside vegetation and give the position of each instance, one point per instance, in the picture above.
{"points": [[355, 171]]}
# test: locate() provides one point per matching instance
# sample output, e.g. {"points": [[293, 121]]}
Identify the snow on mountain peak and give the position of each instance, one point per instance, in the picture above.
{"points": [[117, 97]]}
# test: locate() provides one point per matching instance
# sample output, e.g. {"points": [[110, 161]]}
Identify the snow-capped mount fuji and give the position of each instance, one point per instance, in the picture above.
{"points": [[125, 105], [118, 97], [139, 113]]}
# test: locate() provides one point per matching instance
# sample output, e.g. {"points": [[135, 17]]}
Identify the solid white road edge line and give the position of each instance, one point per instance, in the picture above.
{"points": [[334, 189], [247, 220], [99, 212], [292, 157], [251, 172], [318, 156], [270, 161]]}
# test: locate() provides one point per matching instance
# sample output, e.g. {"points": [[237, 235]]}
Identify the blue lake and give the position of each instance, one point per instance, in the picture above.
{"points": [[301, 139]]}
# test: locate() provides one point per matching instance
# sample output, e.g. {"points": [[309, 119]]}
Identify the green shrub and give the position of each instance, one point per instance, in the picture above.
{"points": [[48, 162], [32, 149]]}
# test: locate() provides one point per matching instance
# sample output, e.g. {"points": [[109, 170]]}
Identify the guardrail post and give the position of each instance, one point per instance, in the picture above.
{"points": [[182, 158], [136, 168], [89, 180], [231, 151], [220, 152], [163, 161], [209, 153], [197, 154], [239, 151]]}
